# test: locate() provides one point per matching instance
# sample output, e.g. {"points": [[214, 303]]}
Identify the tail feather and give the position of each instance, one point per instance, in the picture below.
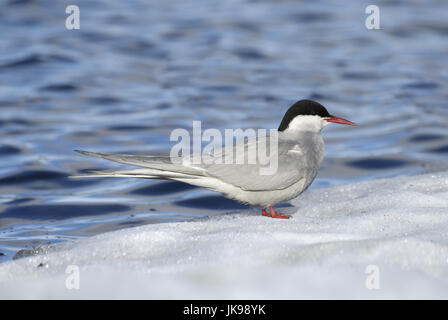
{"points": [[150, 167], [156, 163], [136, 173], [112, 173]]}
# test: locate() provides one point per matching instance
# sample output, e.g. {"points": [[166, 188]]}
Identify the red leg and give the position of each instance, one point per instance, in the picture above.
{"points": [[277, 215], [264, 213], [273, 214]]}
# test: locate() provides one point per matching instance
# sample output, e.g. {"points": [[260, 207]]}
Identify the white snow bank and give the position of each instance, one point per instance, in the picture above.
{"points": [[398, 227]]}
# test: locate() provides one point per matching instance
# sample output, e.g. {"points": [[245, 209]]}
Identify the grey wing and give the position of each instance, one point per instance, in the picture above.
{"points": [[285, 167]]}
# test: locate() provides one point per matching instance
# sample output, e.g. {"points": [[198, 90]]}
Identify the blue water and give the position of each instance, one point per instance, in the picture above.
{"points": [[136, 70]]}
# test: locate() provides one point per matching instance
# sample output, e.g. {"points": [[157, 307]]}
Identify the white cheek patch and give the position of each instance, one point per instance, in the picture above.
{"points": [[307, 123]]}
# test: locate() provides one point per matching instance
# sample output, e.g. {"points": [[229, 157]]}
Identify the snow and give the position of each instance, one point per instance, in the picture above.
{"points": [[375, 239]]}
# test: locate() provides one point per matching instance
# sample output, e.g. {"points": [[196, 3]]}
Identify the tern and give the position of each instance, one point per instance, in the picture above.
{"points": [[299, 153]]}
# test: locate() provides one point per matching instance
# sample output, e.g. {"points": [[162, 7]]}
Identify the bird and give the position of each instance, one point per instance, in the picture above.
{"points": [[299, 152]]}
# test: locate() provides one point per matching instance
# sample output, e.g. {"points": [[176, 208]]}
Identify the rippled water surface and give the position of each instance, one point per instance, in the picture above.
{"points": [[136, 70]]}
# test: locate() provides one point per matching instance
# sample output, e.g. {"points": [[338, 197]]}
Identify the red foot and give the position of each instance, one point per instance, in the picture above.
{"points": [[273, 214], [264, 213]]}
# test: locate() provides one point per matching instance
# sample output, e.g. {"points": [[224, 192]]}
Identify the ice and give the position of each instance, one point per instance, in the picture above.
{"points": [[397, 226]]}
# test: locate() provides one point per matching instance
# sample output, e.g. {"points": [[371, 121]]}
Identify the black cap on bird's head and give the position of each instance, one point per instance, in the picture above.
{"points": [[309, 108]]}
